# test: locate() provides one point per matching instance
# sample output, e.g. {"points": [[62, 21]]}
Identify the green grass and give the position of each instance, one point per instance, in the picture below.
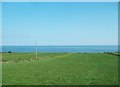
{"points": [[60, 69], [0, 70]]}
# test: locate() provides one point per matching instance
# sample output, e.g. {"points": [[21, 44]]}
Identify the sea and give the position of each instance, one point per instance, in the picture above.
{"points": [[82, 49]]}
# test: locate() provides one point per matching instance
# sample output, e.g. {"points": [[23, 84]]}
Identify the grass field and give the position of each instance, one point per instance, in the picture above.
{"points": [[60, 69]]}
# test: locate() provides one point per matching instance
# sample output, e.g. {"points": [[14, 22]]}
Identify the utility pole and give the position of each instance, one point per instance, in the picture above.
{"points": [[36, 49]]}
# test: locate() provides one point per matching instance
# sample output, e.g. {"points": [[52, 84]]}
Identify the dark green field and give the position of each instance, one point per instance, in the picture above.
{"points": [[60, 69]]}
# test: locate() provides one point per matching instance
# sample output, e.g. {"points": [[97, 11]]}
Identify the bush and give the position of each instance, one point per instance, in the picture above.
{"points": [[9, 52]]}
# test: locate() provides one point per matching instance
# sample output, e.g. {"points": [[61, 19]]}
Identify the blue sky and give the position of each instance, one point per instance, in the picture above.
{"points": [[0, 24], [60, 23], [60, 0]]}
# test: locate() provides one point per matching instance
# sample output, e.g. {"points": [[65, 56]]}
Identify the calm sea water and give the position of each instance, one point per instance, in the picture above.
{"points": [[89, 49]]}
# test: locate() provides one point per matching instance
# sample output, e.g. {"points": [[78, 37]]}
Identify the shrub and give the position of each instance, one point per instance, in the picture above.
{"points": [[9, 52]]}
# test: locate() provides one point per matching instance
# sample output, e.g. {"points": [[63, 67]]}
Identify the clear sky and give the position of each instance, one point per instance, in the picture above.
{"points": [[60, 0], [61, 23], [0, 24]]}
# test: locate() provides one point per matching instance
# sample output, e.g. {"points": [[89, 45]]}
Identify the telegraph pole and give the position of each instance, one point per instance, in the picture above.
{"points": [[36, 49]]}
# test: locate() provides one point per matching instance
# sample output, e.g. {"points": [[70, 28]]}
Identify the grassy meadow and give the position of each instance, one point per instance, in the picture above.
{"points": [[59, 69]]}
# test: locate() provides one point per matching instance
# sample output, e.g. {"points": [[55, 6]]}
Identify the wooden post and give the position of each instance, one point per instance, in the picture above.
{"points": [[36, 49]]}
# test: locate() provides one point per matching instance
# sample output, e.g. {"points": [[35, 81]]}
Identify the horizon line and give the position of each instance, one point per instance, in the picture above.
{"points": [[60, 45]]}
